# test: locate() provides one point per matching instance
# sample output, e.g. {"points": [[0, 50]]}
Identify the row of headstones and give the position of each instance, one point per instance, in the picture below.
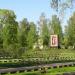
{"points": [[54, 55], [12, 60], [37, 59], [42, 69], [50, 59]]}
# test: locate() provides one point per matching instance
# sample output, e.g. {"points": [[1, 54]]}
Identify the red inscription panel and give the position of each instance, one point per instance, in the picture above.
{"points": [[54, 40]]}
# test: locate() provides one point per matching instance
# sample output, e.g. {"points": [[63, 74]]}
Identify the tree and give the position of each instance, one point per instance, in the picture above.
{"points": [[71, 30], [31, 39], [1, 36], [66, 42], [56, 28], [24, 29], [61, 6], [4, 17], [10, 41], [44, 31], [56, 4]]}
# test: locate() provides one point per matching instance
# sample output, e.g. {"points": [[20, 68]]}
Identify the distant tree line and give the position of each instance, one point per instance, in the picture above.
{"points": [[16, 37]]}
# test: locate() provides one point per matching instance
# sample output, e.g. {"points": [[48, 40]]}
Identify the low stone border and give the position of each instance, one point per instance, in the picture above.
{"points": [[37, 68]]}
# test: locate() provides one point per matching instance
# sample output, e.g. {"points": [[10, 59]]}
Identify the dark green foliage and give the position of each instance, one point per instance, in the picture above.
{"points": [[32, 35], [70, 32], [1, 36], [45, 35], [10, 30], [23, 32]]}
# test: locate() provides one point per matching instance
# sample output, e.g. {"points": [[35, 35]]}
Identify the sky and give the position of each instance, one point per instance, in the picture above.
{"points": [[30, 9]]}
